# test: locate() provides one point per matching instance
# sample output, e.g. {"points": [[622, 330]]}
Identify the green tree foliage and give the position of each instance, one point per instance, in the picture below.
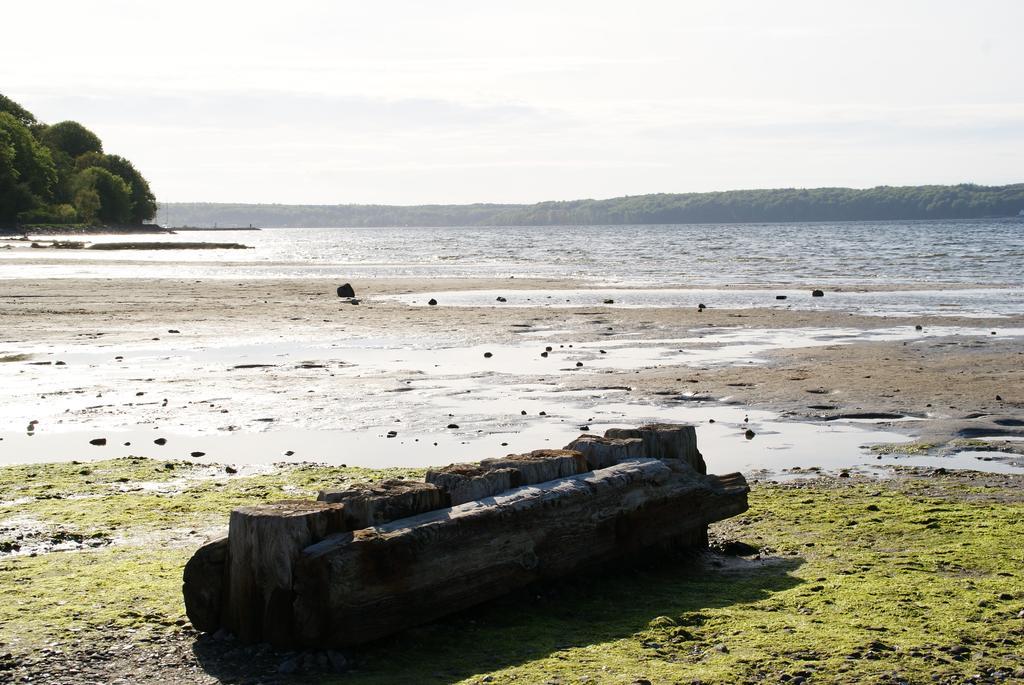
{"points": [[143, 202], [27, 173], [71, 138], [102, 196], [17, 111], [59, 174]]}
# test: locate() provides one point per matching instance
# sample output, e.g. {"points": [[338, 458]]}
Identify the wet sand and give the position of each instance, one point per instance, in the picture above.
{"points": [[934, 387]]}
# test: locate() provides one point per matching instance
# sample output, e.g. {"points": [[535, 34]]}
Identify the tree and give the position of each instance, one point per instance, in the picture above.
{"points": [[71, 138], [143, 200], [27, 173], [17, 111], [100, 195]]}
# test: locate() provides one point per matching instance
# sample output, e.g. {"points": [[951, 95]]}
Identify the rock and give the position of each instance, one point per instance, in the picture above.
{"points": [[579, 364], [817, 293], [204, 580], [353, 301], [544, 354], [453, 426], [749, 434], [501, 299], [346, 290], [701, 307], [337, 661], [609, 301], [487, 355], [173, 330], [780, 297], [844, 474], [392, 434], [198, 454], [230, 469], [98, 442], [918, 327], [432, 302], [721, 648], [160, 441], [289, 453]]}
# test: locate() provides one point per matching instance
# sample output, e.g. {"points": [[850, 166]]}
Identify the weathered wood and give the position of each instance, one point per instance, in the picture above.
{"points": [[665, 441], [263, 543], [373, 504], [601, 452], [357, 586], [470, 482], [204, 582]]}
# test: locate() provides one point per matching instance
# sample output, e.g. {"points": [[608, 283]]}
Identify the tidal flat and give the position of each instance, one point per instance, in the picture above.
{"points": [[913, 578], [882, 541]]}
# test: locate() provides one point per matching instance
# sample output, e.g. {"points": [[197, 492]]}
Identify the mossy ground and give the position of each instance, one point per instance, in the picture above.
{"points": [[903, 580]]}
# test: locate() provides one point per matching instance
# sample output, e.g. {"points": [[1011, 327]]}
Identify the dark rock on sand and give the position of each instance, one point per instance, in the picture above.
{"points": [[346, 290], [160, 441], [198, 454], [432, 302], [817, 293], [99, 442], [487, 355], [749, 434], [501, 299], [780, 297]]}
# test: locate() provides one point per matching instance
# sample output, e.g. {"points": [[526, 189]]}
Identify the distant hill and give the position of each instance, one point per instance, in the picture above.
{"points": [[965, 201]]}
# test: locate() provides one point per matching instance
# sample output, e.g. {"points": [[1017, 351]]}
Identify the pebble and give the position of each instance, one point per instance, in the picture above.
{"points": [[392, 434], [780, 297], [579, 364], [99, 442], [501, 299], [749, 434], [432, 302], [817, 293], [173, 330], [487, 355], [453, 426], [160, 441], [198, 454]]}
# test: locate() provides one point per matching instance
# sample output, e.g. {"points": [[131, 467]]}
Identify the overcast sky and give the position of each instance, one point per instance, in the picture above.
{"points": [[452, 102]]}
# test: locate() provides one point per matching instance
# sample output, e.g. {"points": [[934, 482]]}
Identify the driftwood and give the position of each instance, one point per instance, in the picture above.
{"points": [[361, 563]]}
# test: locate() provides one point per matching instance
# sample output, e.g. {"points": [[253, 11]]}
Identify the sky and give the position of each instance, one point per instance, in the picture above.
{"points": [[325, 102]]}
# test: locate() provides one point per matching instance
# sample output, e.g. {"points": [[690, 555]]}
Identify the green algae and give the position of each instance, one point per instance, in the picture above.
{"points": [[909, 448], [857, 581]]}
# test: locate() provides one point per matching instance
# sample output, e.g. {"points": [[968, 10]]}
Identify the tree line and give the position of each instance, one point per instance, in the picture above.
{"points": [[964, 201], [59, 174]]}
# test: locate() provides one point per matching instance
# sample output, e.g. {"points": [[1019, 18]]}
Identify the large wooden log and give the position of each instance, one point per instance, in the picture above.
{"points": [[470, 482], [357, 586], [263, 544], [665, 441], [373, 504], [602, 452]]}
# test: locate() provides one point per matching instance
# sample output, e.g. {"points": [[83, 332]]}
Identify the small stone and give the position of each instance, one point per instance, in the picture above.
{"points": [[337, 660], [198, 454], [346, 290], [432, 302], [160, 441], [392, 434], [523, 412], [501, 299], [749, 434], [98, 442], [999, 398], [817, 293], [487, 355], [230, 469], [780, 297], [453, 426], [844, 474], [609, 301], [918, 327], [721, 648], [353, 301], [872, 507], [173, 330], [289, 453], [544, 354], [579, 364]]}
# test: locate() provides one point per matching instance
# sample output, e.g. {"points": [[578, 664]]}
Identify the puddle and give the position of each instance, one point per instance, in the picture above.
{"points": [[970, 460], [974, 303]]}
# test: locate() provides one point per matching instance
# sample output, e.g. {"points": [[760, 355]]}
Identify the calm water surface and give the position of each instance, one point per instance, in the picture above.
{"points": [[979, 252]]}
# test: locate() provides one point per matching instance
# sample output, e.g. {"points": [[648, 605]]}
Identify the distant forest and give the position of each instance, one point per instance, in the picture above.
{"points": [[58, 174], [965, 201]]}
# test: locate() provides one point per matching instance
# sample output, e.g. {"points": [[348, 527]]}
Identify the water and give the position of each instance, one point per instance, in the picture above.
{"points": [[909, 253]]}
